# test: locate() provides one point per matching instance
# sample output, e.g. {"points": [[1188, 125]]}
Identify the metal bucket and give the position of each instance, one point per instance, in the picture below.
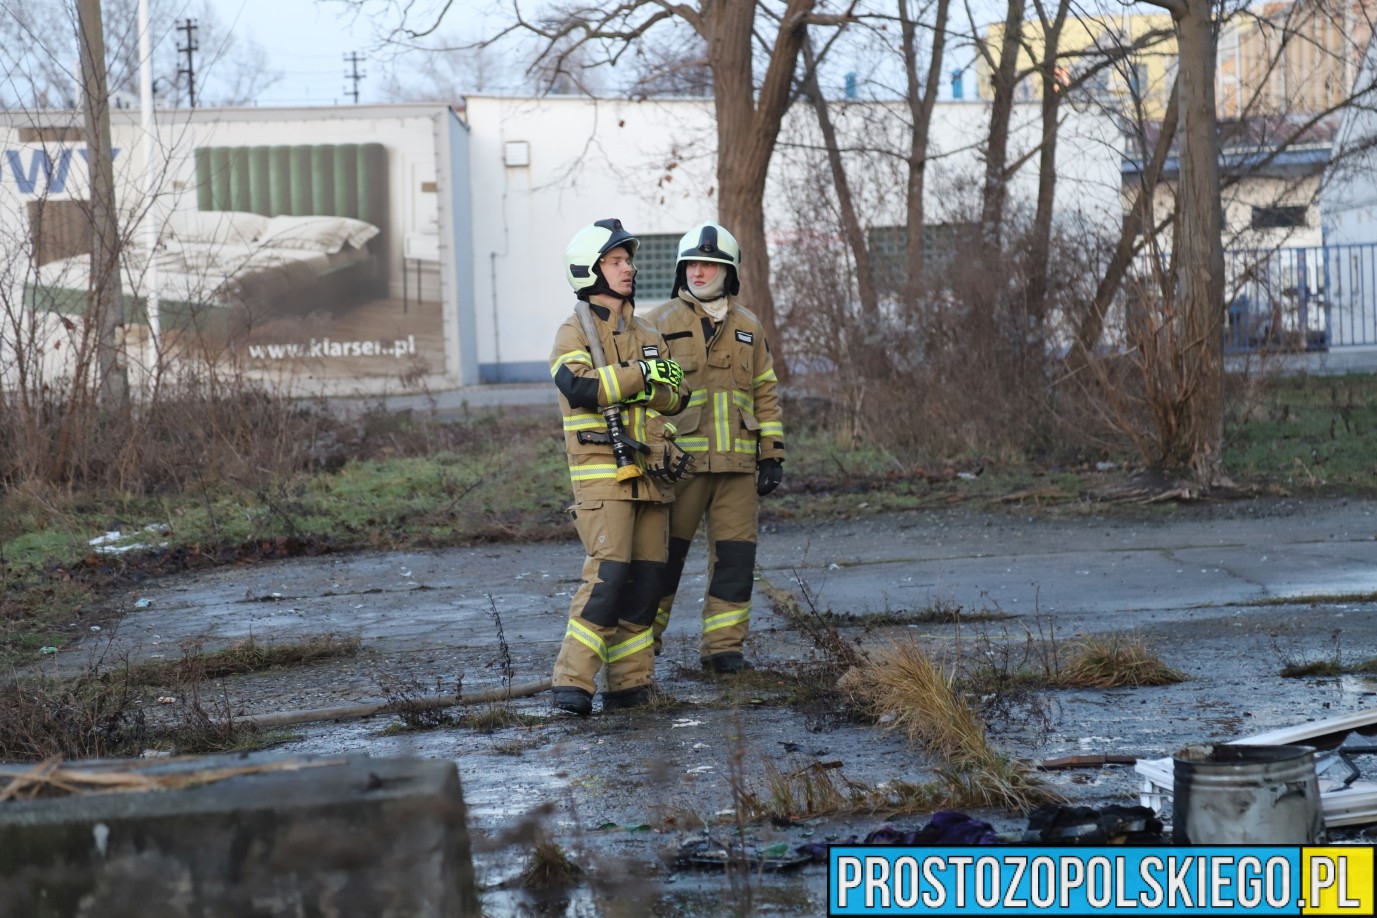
{"points": [[1233, 795]]}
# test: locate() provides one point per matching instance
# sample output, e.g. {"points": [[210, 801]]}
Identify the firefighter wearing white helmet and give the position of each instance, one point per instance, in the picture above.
{"points": [[614, 375], [733, 428]]}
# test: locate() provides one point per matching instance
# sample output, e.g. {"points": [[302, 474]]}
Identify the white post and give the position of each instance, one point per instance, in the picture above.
{"points": [[150, 175]]}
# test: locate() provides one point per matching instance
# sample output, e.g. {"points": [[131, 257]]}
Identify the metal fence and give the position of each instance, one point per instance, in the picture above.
{"points": [[1301, 299]]}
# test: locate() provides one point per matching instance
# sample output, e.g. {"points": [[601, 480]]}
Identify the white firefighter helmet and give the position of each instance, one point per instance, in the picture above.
{"points": [[590, 244], [709, 242]]}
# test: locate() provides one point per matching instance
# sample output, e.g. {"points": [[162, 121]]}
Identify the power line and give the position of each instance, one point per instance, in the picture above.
{"points": [[189, 27], [353, 59]]}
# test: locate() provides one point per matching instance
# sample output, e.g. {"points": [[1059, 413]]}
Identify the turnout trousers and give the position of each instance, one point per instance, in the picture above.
{"points": [[612, 611], [729, 502]]}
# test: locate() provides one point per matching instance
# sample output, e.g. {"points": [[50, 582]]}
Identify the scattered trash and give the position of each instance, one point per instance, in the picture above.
{"points": [[95, 628], [708, 852], [47, 650], [1086, 761], [166, 699], [699, 770], [105, 544], [143, 603], [1335, 770], [1052, 824], [685, 722], [1350, 805], [946, 827]]}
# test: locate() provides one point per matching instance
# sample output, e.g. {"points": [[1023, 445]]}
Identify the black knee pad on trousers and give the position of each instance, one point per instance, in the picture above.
{"points": [[604, 605], [674, 568], [643, 591], [733, 574]]}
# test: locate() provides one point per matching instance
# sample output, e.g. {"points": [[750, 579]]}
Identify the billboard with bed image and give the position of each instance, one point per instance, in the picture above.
{"points": [[315, 262]]}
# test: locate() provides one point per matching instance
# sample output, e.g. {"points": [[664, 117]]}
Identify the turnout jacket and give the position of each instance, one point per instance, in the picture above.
{"points": [[584, 389], [733, 417]]}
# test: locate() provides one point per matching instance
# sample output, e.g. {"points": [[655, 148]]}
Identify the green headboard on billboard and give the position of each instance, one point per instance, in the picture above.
{"points": [[335, 180]]}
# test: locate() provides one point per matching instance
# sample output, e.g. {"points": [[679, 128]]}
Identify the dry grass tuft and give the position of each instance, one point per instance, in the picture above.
{"points": [[549, 867], [906, 688], [1116, 662], [994, 782], [247, 656]]}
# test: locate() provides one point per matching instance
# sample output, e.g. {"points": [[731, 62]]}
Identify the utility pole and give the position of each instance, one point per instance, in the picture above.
{"points": [[189, 27], [105, 302], [353, 59]]}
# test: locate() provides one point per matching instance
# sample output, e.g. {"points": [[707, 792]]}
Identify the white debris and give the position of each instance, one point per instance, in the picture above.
{"points": [[685, 722]]}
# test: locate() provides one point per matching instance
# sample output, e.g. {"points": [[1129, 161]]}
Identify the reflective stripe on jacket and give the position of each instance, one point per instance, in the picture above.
{"points": [[733, 417], [584, 389]]}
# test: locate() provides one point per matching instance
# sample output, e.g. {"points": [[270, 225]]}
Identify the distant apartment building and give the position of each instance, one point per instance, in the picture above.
{"points": [[1281, 58]]}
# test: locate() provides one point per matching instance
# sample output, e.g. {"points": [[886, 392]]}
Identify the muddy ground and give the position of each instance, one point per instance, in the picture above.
{"points": [[1227, 593]]}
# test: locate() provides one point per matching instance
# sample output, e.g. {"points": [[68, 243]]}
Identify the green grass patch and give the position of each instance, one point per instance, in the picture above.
{"points": [[1307, 434]]}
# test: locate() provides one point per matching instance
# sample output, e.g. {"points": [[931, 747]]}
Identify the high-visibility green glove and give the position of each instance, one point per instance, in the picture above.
{"points": [[663, 372]]}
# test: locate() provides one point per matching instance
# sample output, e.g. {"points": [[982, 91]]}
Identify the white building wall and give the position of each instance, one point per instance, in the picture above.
{"points": [[652, 164]]}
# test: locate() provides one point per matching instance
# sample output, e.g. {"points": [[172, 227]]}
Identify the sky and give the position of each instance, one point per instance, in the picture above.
{"points": [[307, 42]]}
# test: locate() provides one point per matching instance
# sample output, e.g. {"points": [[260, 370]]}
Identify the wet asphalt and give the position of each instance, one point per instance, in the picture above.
{"points": [[1227, 593]]}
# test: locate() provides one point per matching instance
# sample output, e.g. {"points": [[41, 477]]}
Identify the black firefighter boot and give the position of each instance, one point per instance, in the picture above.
{"points": [[626, 698], [726, 664], [573, 700]]}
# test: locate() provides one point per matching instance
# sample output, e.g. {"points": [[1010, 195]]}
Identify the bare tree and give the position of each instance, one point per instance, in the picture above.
{"points": [[674, 67], [106, 296], [39, 54], [751, 50], [1052, 96], [1006, 78], [852, 231], [921, 96]]}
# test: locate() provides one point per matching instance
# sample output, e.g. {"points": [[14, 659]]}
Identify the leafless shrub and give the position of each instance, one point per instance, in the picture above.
{"points": [[817, 625], [963, 364], [88, 716], [413, 702], [1297, 665]]}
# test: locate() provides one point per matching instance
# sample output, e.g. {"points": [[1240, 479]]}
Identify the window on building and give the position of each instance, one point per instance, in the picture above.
{"points": [[655, 261], [1278, 217], [889, 250], [60, 229]]}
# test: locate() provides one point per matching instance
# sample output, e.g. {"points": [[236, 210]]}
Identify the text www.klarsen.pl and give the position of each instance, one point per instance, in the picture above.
{"points": [[325, 347]]}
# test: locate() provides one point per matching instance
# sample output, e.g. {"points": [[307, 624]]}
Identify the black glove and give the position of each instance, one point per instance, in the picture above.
{"points": [[768, 474]]}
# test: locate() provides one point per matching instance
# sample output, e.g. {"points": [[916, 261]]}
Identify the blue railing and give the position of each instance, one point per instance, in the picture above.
{"points": [[1301, 299]]}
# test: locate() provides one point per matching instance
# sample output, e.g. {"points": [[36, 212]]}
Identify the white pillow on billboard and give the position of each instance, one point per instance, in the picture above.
{"points": [[223, 227], [316, 233]]}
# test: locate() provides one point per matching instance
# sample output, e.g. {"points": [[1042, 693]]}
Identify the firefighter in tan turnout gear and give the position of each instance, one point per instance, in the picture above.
{"points": [[616, 385], [732, 428]]}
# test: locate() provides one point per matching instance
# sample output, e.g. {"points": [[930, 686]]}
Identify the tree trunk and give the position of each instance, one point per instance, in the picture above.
{"points": [[1040, 246], [747, 126], [106, 296], [852, 230], [1195, 442], [920, 106], [1138, 218], [996, 192]]}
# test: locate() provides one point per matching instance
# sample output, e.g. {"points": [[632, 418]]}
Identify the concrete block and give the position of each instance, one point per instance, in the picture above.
{"points": [[335, 838]]}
